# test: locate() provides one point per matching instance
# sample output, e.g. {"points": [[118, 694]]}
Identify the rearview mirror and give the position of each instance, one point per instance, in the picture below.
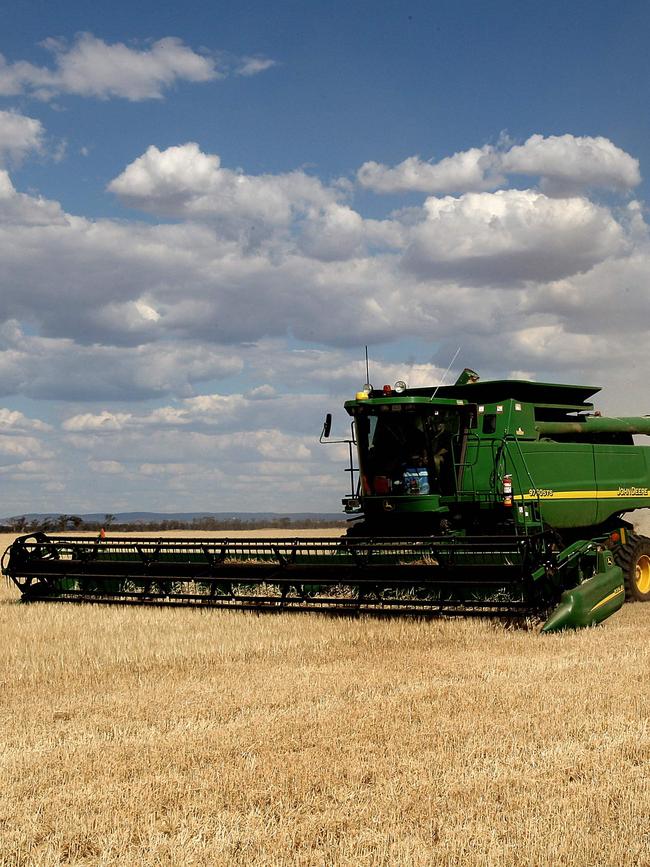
{"points": [[327, 426]]}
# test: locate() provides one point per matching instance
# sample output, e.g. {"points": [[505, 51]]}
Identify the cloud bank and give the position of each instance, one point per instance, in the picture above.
{"points": [[90, 67], [193, 353], [564, 164]]}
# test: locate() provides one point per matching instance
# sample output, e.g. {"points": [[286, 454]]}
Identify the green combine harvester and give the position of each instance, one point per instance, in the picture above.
{"points": [[479, 498]]}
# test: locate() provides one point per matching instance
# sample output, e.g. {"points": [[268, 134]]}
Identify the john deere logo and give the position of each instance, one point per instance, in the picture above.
{"points": [[632, 492]]}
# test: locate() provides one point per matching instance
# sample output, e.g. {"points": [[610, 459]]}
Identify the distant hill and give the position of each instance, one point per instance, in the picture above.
{"points": [[184, 517]]}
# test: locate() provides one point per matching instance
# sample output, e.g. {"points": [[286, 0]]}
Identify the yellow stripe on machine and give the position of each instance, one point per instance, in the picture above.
{"points": [[607, 599], [581, 495]]}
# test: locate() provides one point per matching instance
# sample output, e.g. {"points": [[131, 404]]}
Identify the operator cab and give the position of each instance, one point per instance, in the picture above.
{"points": [[407, 449]]}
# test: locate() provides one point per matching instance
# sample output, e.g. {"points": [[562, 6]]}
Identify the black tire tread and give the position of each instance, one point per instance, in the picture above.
{"points": [[625, 556]]}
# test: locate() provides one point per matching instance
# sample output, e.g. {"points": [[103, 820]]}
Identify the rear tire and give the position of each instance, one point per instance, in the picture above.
{"points": [[634, 560]]}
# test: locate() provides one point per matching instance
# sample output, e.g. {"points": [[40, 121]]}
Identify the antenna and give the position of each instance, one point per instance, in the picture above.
{"points": [[444, 376], [367, 368]]}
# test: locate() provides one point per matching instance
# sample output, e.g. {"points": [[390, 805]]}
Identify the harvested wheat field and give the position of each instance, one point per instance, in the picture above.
{"points": [[155, 736]]}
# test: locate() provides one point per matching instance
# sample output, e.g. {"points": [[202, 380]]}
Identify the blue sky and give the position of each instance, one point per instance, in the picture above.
{"points": [[389, 79], [206, 211]]}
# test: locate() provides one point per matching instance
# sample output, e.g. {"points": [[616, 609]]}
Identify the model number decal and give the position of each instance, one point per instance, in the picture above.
{"points": [[632, 492], [540, 493]]}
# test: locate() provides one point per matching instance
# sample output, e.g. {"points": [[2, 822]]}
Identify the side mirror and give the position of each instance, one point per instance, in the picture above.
{"points": [[327, 426]]}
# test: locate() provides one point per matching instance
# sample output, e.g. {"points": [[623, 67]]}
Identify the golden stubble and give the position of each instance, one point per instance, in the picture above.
{"points": [[176, 736]]}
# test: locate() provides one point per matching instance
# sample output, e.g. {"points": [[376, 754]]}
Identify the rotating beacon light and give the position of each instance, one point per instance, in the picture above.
{"points": [[365, 392]]}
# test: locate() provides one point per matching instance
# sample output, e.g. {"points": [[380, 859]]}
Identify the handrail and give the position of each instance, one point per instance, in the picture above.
{"points": [[534, 487]]}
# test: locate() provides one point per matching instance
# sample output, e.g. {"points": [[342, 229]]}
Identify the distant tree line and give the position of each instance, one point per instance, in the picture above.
{"points": [[73, 523]]}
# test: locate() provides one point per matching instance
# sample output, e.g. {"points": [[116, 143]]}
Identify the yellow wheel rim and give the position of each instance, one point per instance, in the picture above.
{"points": [[642, 574]]}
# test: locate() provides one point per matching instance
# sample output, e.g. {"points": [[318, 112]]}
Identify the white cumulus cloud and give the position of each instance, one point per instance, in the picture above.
{"points": [[473, 169], [94, 68], [103, 421], [184, 181], [21, 210], [13, 420], [19, 135], [565, 164], [511, 235]]}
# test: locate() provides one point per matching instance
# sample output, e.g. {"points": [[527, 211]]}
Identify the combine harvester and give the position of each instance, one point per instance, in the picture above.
{"points": [[487, 498]]}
